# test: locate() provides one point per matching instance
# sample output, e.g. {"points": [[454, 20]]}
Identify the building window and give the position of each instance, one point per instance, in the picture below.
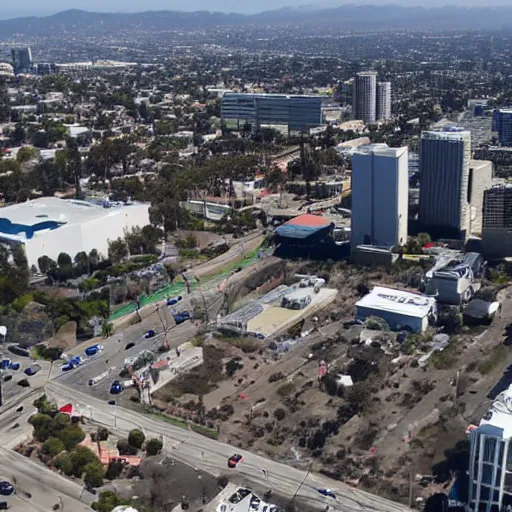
{"points": [[487, 470], [489, 449]]}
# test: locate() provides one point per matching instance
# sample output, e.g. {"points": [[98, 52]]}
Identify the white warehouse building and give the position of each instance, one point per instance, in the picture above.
{"points": [[402, 310], [49, 226]]}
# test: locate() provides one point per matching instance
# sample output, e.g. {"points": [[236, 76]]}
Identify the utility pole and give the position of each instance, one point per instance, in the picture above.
{"points": [[301, 484]]}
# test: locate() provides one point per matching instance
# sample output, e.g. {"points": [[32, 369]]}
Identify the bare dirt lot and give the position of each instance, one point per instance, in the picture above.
{"points": [[397, 419]]}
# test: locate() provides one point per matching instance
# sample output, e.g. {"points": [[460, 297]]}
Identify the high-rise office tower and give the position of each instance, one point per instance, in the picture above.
{"points": [[502, 123], [497, 222], [380, 196], [364, 96], [21, 59], [383, 100], [444, 175]]}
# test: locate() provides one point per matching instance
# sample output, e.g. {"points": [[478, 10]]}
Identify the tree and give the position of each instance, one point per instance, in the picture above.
{"points": [[154, 446], [80, 458], [64, 463], [114, 469], [136, 438], [117, 250], [71, 436], [94, 259], [64, 260], [125, 448], [46, 264], [52, 446], [107, 329], [25, 154], [93, 474], [108, 501], [82, 262]]}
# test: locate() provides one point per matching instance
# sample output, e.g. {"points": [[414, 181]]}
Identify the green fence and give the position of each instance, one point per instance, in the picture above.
{"points": [[179, 287]]}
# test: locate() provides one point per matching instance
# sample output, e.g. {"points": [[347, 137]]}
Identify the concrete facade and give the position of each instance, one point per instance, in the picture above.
{"points": [[49, 226], [497, 222], [364, 97], [479, 180], [444, 174], [383, 100], [380, 189]]}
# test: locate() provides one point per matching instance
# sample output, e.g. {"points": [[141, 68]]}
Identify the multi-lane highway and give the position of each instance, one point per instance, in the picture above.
{"points": [[37, 487], [209, 455], [111, 358]]}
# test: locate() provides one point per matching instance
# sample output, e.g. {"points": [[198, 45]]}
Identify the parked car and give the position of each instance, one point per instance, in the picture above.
{"points": [[234, 460], [6, 488], [116, 388], [20, 351], [93, 349], [7, 378], [181, 317], [129, 345], [172, 301], [7, 364], [149, 334], [4, 505], [32, 370]]}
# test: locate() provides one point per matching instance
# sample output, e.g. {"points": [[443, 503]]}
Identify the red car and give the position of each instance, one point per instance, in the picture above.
{"points": [[234, 460]]}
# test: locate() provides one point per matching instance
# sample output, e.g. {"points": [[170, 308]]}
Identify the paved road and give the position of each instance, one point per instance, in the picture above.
{"points": [[29, 477], [206, 454], [113, 355], [38, 488]]}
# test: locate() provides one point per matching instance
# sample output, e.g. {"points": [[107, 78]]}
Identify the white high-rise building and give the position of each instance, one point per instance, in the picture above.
{"points": [[490, 462], [364, 96], [444, 176], [380, 196], [384, 100]]}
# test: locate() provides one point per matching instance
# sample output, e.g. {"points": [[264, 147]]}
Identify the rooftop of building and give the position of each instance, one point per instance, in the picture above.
{"points": [[498, 420], [479, 164], [398, 301], [49, 213], [271, 95], [380, 149], [454, 133]]}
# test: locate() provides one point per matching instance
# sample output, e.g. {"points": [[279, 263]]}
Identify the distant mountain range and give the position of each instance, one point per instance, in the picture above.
{"points": [[350, 16]]}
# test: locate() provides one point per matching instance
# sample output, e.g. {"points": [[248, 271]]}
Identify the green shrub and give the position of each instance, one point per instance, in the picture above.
{"points": [[64, 463], [279, 414], [125, 448], [71, 436], [136, 438], [286, 389], [52, 446], [80, 458], [93, 474], [154, 446]]}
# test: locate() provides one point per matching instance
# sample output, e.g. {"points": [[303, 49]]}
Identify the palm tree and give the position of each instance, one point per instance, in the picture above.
{"points": [[107, 329]]}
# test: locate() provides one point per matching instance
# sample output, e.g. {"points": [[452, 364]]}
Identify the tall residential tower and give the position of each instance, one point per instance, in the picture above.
{"points": [[364, 96], [383, 100], [380, 195]]}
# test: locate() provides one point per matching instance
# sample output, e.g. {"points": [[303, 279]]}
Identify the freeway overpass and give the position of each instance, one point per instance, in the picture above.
{"points": [[211, 456]]}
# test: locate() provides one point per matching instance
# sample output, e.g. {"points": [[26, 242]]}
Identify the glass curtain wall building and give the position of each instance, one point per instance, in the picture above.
{"points": [[297, 113]]}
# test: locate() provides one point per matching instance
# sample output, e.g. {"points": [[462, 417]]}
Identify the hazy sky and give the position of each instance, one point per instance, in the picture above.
{"points": [[42, 8]]}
